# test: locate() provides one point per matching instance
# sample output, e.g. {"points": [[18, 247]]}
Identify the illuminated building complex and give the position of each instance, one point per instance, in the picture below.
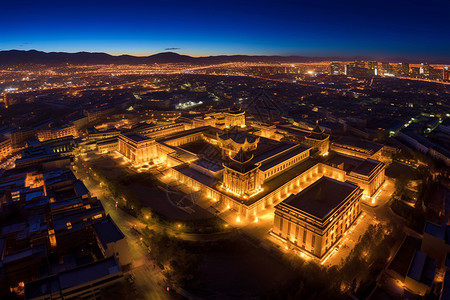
{"points": [[239, 168]]}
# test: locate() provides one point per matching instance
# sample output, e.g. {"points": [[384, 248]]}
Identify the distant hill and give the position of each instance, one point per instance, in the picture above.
{"points": [[21, 57]]}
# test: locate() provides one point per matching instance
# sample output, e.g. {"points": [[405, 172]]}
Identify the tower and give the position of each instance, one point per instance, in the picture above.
{"points": [[317, 138], [235, 116], [241, 175]]}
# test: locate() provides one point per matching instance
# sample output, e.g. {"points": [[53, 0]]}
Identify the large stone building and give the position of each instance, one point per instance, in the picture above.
{"points": [[244, 168], [317, 217], [137, 147]]}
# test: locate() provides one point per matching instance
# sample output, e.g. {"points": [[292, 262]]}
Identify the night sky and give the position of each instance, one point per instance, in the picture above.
{"points": [[410, 29]]}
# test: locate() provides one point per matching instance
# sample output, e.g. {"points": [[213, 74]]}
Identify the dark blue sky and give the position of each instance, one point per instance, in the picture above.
{"points": [[412, 29]]}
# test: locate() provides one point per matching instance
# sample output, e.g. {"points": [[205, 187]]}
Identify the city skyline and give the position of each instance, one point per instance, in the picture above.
{"points": [[406, 30]]}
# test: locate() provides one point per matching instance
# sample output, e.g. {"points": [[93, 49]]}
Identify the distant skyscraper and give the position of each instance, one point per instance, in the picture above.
{"points": [[360, 64], [425, 69], [335, 68], [386, 69], [402, 69], [373, 66], [446, 75]]}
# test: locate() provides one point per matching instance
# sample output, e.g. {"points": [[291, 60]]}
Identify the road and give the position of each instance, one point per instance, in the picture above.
{"points": [[149, 282]]}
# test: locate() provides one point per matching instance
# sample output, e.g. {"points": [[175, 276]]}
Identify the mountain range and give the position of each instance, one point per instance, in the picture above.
{"points": [[23, 57]]}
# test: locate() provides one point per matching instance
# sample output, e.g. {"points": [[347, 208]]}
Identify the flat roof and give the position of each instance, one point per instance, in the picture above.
{"points": [[210, 165], [366, 167], [422, 268], [107, 231], [136, 136], [297, 149], [179, 134], [357, 143], [80, 188], [196, 175], [87, 273], [435, 230], [322, 197], [353, 164], [402, 259], [35, 194], [72, 278], [446, 290]]}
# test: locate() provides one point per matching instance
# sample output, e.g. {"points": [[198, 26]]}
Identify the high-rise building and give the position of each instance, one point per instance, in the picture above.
{"points": [[360, 64], [373, 67], [386, 69], [372, 64], [335, 68], [358, 69], [446, 75], [425, 69], [402, 69]]}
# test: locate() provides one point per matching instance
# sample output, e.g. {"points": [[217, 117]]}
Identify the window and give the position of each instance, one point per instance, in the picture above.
{"points": [[304, 236], [313, 241]]}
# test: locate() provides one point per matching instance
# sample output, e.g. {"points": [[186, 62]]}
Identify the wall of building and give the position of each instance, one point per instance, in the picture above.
{"points": [[308, 234]]}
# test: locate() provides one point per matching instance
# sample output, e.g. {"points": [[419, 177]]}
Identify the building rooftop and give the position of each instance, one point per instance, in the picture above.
{"points": [[269, 150], [435, 230], [368, 146], [295, 150], [366, 167], [196, 175], [136, 137], [446, 289], [176, 135], [107, 231], [87, 273], [402, 259], [317, 133], [209, 165], [422, 268], [352, 164], [72, 278], [322, 197]]}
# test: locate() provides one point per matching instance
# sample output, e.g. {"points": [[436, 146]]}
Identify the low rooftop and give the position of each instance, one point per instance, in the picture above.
{"points": [[136, 136], [107, 231], [322, 197]]}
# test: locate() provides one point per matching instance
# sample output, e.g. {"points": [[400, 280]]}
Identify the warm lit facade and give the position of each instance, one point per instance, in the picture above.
{"points": [[315, 219], [358, 148], [56, 133], [367, 173], [233, 117], [241, 169], [136, 147], [318, 139], [5, 147], [241, 175]]}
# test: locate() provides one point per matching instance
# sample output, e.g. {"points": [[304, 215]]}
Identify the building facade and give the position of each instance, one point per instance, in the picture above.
{"points": [[315, 219], [137, 148]]}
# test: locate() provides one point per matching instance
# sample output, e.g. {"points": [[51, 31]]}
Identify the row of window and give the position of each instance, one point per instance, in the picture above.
{"points": [[286, 165]]}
